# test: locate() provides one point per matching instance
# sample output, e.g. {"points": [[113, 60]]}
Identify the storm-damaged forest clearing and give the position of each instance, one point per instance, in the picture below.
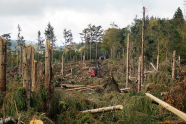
{"points": [[131, 75]]}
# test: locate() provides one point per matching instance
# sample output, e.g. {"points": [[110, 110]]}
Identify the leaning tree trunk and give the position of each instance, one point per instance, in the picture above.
{"points": [[3, 65], [47, 77]]}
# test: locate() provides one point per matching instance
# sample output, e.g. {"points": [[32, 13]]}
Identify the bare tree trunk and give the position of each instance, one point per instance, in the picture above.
{"points": [[179, 60], [166, 49], [90, 47], [38, 54], [127, 73], [158, 61], [158, 57], [52, 51], [27, 68], [47, 77], [62, 64], [17, 57], [139, 74], [133, 66], [81, 56], [111, 53], [173, 65], [34, 76], [96, 49], [142, 47], [21, 72], [123, 58], [3, 61]]}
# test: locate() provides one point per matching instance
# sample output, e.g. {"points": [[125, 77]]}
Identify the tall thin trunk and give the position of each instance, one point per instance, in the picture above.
{"points": [[90, 47], [34, 76], [3, 60], [142, 47], [52, 51], [47, 78], [139, 74], [62, 64], [96, 49], [38, 54], [173, 64], [127, 73], [158, 57]]}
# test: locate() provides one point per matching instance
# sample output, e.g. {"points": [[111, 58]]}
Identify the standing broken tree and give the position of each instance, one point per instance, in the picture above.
{"points": [[3, 65], [27, 68], [47, 77]]}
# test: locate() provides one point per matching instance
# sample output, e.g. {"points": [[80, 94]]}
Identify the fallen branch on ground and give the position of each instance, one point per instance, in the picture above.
{"points": [[111, 108]]}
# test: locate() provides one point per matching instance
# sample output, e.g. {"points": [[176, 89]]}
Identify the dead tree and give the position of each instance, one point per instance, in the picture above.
{"points": [[47, 77], [62, 64], [27, 69], [111, 53], [34, 76], [158, 61], [3, 57], [127, 71], [173, 64], [139, 74], [83, 58], [142, 46]]}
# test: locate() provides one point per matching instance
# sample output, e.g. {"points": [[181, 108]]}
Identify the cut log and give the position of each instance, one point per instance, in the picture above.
{"points": [[125, 90], [111, 108], [167, 106]]}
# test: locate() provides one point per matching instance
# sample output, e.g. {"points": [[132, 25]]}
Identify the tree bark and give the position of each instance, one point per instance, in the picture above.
{"points": [[3, 60], [139, 74], [127, 73], [104, 109], [27, 68], [96, 49], [47, 78], [34, 77], [173, 65], [167, 106], [62, 64], [142, 47]]}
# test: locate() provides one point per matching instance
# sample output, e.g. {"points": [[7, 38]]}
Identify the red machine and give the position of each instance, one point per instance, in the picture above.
{"points": [[93, 72]]}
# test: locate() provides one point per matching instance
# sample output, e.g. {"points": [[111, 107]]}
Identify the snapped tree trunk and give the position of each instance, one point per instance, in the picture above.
{"points": [[27, 68], [3, 60], [47, 77]]}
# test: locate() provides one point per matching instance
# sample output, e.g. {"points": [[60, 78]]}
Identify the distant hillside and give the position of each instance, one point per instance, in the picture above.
{"points": [[14, 43]]}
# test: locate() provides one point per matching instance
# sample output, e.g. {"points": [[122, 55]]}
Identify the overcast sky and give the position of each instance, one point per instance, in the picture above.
{"points": [[34, 15]]}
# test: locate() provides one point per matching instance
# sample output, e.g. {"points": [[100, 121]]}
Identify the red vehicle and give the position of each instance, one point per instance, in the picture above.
{"points": [[93, 72]]}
